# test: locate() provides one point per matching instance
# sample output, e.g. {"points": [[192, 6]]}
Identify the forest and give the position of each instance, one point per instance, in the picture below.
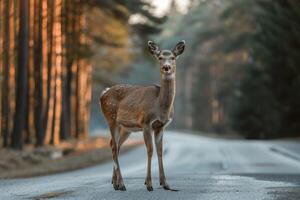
{"points": [[240, 72], [46, 65]]}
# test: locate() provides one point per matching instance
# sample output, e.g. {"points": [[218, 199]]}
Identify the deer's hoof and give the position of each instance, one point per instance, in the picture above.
{"points": [[122, 187], [149, 188], [166, 187], [116, 187]]}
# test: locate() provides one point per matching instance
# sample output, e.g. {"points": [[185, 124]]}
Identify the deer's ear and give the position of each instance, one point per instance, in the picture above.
{"points": [[153, 48], [179, 48]]}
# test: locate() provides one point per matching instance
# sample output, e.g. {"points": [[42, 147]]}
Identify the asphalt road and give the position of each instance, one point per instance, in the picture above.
{"points": [[199, 167]]}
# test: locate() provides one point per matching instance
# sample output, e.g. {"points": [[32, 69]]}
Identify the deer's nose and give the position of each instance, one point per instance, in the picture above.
{"points": [[166, 67]]}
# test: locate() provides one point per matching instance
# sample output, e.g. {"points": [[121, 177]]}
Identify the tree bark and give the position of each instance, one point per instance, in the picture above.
{"points": [[57, 34], [5, 86], [1, 65], [64, 131], [38, 92], [48, 117], [17, 139], [29, 125], [55, 97]]}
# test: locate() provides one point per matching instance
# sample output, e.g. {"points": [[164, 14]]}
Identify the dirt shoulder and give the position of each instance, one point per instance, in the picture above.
{"points": [[70, 155]]}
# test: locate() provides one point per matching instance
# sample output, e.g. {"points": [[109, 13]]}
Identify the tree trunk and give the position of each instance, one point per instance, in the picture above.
{"points": [[55, 97], [57, 35], [1, 64], [84, 85], [29, 125], [47, 120], [64, 131], [5, 85], [45, 79], [17, 139], [44, 60], [38, 98]]}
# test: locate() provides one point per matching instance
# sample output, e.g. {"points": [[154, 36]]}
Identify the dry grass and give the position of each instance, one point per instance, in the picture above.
{"points": [[67, 156]]}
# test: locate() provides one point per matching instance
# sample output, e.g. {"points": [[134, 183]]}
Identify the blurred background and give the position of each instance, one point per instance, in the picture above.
{"points": [[239, 75]]}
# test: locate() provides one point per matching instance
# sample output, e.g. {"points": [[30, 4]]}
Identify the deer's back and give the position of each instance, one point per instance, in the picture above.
{"points": [[128, 104]]}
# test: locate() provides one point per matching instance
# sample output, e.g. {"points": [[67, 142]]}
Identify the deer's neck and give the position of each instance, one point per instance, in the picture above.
{"points": [[166, 95]]}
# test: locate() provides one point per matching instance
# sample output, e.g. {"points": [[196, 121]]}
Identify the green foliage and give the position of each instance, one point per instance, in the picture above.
{"points": [[241, 65], [269, 102], [254, 114], [114, 39]]}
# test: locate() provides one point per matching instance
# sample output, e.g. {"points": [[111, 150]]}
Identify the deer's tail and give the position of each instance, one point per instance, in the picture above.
{"points": [[104, 91]]}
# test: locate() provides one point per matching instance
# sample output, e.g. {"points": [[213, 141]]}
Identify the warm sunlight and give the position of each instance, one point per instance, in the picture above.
{"points": [[162, 6], [150, 99]]}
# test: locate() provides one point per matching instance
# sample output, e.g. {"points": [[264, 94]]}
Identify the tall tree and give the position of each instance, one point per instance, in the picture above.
{"points": [[38, 92], [1, 65], [45, 52], [268, 104], [29, 125], [17, 138], [6, 66]]}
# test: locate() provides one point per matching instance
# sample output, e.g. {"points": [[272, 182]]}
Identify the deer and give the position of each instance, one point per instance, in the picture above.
{"points": [[149, 109]]}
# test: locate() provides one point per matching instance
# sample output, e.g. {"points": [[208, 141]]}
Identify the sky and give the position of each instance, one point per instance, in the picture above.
{"points": [[163, 5], [160, 8]]}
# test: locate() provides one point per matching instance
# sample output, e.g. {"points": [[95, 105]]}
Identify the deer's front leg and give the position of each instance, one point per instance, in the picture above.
{"points": [[159, 149], [149, 146]]}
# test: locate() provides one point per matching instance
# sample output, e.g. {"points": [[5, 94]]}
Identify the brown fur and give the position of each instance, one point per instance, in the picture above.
{"points": [[129, 108]]}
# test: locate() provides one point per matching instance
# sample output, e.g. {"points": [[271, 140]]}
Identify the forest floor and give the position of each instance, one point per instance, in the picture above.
{"points": [[67, 156]]}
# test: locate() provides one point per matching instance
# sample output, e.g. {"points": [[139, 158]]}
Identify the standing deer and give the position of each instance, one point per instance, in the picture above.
{"points": [[130, 108]]}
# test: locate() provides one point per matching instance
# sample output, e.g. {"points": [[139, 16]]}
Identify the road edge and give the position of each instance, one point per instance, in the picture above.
{"points": [[285, 152]]}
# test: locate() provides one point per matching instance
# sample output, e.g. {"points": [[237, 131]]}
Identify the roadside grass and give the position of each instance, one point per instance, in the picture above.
{"points": [[68, 156]]}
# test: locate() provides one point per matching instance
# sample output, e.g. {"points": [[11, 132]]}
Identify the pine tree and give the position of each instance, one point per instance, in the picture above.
{"points": [[269, 102], [19, 120]]}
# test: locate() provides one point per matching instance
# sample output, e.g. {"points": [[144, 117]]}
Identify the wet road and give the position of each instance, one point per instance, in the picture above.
{"points": [[199, 167]]}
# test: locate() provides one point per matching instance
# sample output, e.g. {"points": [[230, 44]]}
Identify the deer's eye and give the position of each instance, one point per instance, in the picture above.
{"points": [[160, 58], [172, 58]]}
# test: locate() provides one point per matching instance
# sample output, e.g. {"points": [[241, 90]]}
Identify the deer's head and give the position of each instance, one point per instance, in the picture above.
{"points": [[167, 58]]}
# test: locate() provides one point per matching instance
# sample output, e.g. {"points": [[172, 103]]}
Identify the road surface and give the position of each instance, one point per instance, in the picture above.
{"points": [[199, 167]]}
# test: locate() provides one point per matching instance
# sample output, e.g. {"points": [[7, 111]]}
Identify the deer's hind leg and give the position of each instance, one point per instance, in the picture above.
{"points": [[117, 179], [114, 175], [122, 138], [124, 134]]}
